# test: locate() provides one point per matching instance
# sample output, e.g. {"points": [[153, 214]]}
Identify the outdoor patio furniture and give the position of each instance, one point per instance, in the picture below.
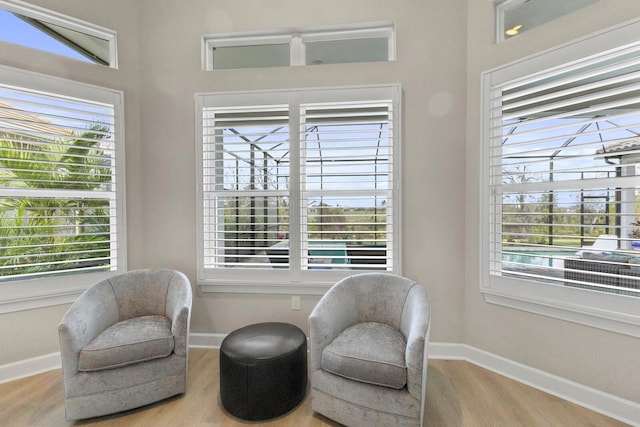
{"points": [[603, 243], [605, 269]]}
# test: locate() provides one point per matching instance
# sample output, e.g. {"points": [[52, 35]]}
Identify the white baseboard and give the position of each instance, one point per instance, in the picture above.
{"points": [[198, 340], [26, 368], [612, 406], [607, 404]]}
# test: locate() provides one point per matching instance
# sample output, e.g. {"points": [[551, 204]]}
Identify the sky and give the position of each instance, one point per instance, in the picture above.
{"points": [[15, 30]]}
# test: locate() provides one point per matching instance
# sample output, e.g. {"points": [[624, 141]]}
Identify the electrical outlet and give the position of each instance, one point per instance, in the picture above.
{"points": [[295, 302]]}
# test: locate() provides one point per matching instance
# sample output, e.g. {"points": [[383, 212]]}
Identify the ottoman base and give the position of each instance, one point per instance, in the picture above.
{"points": [[263, 370]]}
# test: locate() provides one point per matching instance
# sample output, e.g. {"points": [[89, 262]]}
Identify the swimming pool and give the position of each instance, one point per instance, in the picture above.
{"points": [[514, 259]]}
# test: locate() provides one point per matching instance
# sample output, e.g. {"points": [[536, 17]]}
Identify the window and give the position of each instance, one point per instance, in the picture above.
{"points": [[263, 53], [43, 29], [61, 183], [303, 47], [297, 187], [517, 16], [562, 182]]}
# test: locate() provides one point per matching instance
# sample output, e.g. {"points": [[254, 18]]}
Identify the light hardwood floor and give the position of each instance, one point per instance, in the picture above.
{"points": [[458, 394]]}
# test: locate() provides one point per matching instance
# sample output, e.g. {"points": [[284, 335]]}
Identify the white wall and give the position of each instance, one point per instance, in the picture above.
{"points": [[34, 332], [593, 357], [431, 69]]}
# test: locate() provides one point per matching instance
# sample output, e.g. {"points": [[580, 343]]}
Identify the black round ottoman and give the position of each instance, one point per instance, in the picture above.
{"points": [[263, 370]]}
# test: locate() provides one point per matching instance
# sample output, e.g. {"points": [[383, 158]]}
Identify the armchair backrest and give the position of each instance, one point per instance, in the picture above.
{"points": [[380, 297], [142, 292]]}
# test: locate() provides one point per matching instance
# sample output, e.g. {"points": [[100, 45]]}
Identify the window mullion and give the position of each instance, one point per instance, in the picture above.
{"points": [[297, 233], [297, 52]]}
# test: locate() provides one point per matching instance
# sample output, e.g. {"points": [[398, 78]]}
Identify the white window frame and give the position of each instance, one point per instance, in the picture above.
{"points": [[502, 7], [32, 293], [296, 39], [285, 281], [56, 18], [611, 312]]}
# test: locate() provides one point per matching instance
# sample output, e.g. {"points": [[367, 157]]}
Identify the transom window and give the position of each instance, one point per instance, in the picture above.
{"points": [[298, 184], [514, 17], [302, 47], [35, 27], [563, 179]]}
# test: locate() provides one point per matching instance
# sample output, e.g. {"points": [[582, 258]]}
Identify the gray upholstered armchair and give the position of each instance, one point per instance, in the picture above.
{"points": [[124, 343], [368, 342]]}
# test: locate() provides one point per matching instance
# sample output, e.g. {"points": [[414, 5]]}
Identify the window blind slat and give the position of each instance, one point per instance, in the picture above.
{"points": [[565, 157], [345, 148], [247, 205], [537, 80], [58, 210], [586, 80]]}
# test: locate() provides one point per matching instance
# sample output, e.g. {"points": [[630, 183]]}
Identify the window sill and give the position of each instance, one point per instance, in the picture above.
{"points": [[31, 294], [616, 313], [241, 287], [275, 281]]}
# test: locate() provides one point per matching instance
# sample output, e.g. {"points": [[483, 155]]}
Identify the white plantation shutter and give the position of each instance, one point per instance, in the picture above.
{"points": [[347, 179], [58, 200], [563, 173], [297, 184], [245, 179]]}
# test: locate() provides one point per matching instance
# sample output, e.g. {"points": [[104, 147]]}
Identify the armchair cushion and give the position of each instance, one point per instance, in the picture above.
{"points": [[130, 341], [369, 352]]}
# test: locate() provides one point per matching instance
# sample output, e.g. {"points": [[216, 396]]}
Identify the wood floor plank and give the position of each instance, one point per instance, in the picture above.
{"points": [[459, 394]]}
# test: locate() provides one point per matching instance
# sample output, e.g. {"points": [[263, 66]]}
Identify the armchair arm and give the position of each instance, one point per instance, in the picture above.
{"points": [[416, 326], [93, 312], [333, 314], [178, 309]]}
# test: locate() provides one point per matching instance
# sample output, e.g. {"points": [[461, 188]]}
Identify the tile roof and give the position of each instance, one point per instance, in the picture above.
{"points": [[620, 147], [15, 119]]}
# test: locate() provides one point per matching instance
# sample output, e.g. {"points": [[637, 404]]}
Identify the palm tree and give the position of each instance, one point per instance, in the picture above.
{"points": [[53, 233]]}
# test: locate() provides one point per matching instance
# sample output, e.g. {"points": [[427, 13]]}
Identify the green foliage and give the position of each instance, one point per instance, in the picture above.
{"points": [[355, 226], [245, 224], [570, 224], [39, 234]]}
